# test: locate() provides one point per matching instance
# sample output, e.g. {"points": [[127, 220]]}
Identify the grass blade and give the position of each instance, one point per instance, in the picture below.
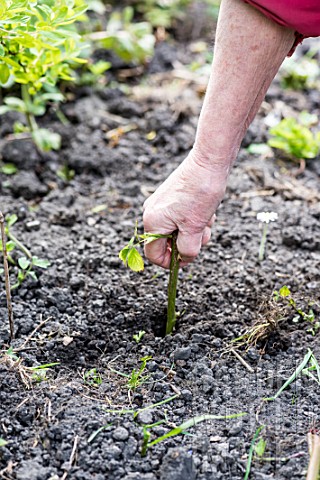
{"points": [[191, 423], [298, 370], [249, 461]]}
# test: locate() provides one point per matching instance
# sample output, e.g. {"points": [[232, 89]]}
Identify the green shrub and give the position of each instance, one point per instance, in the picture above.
{"points": [[38, 47]]}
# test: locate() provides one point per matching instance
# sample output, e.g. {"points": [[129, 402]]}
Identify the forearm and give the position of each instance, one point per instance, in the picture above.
{"points": [[249, 50]]}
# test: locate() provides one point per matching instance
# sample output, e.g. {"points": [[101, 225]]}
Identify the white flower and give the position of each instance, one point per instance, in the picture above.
{"points": [[267, 217]]}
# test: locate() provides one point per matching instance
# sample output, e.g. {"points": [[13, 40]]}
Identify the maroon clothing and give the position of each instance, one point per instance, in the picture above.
{"points": [[303, 16]]}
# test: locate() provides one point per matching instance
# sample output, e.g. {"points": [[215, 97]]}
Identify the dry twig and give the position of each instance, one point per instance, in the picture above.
{"points": [[314, 462], [6, 276]]}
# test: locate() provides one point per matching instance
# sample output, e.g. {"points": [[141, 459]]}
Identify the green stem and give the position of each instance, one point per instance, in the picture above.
{"points": [[20, 245], [172, 287], [32, 124], [263, 242]]}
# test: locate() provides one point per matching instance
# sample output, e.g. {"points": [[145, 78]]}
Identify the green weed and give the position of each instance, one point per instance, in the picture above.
{"points": [[285, 293], [137, 337], [295, 139], [133, 42], [300, 74], [137, 377], [92, 377], [25, 264]]}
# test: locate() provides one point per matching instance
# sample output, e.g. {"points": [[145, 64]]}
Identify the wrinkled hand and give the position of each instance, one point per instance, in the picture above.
{"points": [[186, 202]]}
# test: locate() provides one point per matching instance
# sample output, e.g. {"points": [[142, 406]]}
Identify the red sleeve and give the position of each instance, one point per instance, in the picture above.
{"points": [[303, 16]]}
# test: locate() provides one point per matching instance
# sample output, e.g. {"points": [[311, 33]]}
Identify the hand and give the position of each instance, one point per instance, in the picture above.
{"points": [[187, 202]]}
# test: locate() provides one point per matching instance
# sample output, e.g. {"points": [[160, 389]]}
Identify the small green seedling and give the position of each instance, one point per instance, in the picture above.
{"points": [[137, 337], [285, 293], [136, 379], [295, 139], [66, 174], [25, 263], [92, 377], [8, 169], [132, 259], [40, 372]]}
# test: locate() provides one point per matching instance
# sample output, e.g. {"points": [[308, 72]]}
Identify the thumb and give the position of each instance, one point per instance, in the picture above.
{"points": [[189, 245]]}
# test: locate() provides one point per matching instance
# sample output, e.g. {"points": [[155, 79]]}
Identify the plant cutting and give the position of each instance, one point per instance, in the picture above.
{"points": [[132, 259]]}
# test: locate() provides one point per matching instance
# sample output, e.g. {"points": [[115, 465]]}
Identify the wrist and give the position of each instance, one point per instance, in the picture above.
{"points": [[217, 165]]}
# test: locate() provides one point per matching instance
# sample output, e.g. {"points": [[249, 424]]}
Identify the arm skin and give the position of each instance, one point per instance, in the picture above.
{"points": [[249, 50]]}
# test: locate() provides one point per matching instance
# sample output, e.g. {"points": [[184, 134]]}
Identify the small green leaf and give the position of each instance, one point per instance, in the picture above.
{"points": [[259, 149], [23, 262], [4, 73], [33, 275], [10, 245], [284, 292], [46, 140], [8, 169], [2, 442], [11, 219], [135, 261], [260, 447], [38, 262], [123, 254]]}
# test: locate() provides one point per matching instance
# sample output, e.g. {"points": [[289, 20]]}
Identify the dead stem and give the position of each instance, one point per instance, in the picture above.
{"points": [[241, 360], [15, 364], [314, 462], [22, 347], [72, 457], [6, 276]]}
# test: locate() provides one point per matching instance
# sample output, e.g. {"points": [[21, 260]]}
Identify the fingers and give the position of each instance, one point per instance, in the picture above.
{"points": [[206, 236], [158, 252], [189, 246]]}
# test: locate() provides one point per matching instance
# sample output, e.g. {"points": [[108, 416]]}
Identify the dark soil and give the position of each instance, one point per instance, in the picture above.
{"points": [[93, 306]]}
